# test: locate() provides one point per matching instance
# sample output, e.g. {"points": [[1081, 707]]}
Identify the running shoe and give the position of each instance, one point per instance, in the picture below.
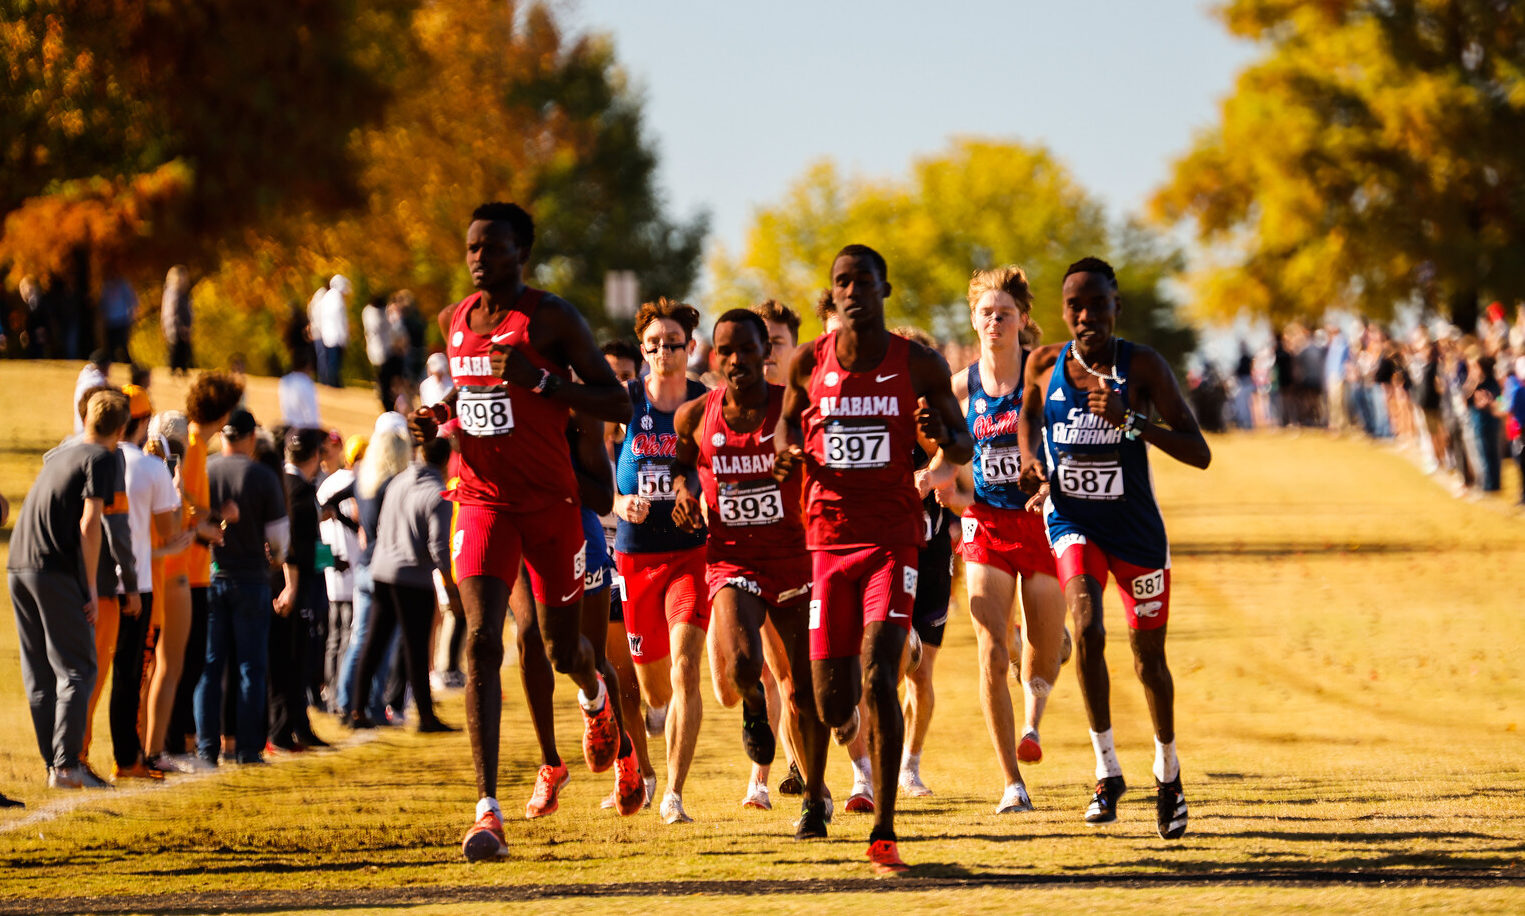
{"points": [[1170, 808], [910, 781], [139, 770], [1014, 800], [651, 790], [844, 734], [1028, 749], [630, 792], [548, 785], [757, 797], [885, 856], [601, 735], [862, 799], [1103, 807], [656, 721], [672, 809], [435, 727], [485, 839], [309, 740], [794, 783], [757, 737], [812, 822], [76, 777], [11, 802]]}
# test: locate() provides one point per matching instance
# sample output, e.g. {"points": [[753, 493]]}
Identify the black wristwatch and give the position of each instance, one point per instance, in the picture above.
{"points": [[549, 383]]}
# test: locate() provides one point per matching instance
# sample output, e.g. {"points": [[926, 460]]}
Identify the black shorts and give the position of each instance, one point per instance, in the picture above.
{"points": [[934, 588]]}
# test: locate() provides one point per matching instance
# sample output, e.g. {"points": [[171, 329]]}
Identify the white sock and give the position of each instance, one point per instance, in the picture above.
{"points": [[910, 762], [1106, 755], [863, 771], [596, 703], [489, 804], [1166, 767]]}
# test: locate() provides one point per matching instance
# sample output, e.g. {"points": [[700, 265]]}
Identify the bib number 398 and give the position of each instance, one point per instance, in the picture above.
{"points": [[486, 412], [1091, 480]]}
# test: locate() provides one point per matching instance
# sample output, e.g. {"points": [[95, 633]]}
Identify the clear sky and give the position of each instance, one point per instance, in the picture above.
{"points": [[741, 97]]}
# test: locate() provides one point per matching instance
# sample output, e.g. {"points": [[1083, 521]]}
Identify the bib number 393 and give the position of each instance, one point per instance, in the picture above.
{"points": [[759, 503], [1091, 479], [485, 412], [852, 447]]}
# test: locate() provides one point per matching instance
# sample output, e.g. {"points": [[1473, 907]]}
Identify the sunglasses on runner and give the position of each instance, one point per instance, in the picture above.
{"points": [[656, 348]]}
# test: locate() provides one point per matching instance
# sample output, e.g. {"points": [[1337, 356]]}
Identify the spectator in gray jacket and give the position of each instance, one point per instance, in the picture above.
{"points": [[54, 552], [412, 541]]}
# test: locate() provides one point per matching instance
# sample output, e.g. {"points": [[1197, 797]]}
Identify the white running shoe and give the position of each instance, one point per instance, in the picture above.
{"points": [[910, 781], [757, 797], [76, 777], [656, 721], [861, 801], [672, 809], [1015, 801]]}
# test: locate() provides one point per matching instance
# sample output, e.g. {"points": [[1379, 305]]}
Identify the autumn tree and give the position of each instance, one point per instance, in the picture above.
{"points": [[1371, 157], [978, 204]]}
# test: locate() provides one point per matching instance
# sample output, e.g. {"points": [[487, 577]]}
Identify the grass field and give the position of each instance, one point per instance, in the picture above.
{"points": [[1345, 642]]}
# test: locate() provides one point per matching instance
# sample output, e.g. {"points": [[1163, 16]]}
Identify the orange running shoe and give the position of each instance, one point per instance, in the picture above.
{"points": [[485, 839], [629, 787], [1029, 750], [139, 770], [548, 784], [600, 735], [886, 858]]}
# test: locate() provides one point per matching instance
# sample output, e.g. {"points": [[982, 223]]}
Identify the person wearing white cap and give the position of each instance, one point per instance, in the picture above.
{"points": [[330, 331], [437, 383]]}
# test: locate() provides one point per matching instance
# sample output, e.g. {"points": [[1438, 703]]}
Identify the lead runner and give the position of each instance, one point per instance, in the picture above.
{"points": [[854, 403], [1090, 399], [512, 350]]}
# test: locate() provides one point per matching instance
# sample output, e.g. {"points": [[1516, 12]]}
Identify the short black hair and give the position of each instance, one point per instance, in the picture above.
{"points": [[1089, 265], [744, 316], [437, 451], [302, 444], [517, 217], [623, 348], [100, 358], [863, 251]]}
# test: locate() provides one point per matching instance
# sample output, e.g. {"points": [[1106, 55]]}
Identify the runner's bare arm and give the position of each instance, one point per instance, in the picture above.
{"points": [[1180, 438], [1030, 421], [687, 513], [595, 479], [937, 413], [789, 435], [596, 392]]}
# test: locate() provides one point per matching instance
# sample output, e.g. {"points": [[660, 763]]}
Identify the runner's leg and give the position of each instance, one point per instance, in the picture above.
{"points": [[485, 600], [687, 710], [535, 673], [991, 592], [1043, 637]]}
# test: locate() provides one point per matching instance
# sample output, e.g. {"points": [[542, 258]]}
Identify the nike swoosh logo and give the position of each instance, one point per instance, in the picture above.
{"points": [[499, 338], [895, 616], [566, 598], [884, 378], [767, 437]]}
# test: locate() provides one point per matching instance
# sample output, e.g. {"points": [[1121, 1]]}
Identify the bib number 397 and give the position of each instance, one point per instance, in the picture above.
{"points": [[857, 447], [1091, 480], [485, 412]]}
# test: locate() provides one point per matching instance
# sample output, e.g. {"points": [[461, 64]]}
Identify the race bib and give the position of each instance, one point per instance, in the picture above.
{"points": [[485, 411], [1001, 464], [1094, 479], [752, 502], [1149, 585], [850, 446], [653, 481]]}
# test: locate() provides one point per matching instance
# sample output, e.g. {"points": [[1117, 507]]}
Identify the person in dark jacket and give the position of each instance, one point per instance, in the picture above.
{"points": [[290, 728]]}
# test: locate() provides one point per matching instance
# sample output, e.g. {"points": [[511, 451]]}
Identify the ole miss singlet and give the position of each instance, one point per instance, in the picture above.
{"points": [[1099, 482], [997, 460], [860, 431], [751, 516], [645, 470], [512, 449]]}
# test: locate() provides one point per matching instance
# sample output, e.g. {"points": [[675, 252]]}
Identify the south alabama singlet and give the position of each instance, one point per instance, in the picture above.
{"points": [[751, 516], [997, 462], [1099, 481], [645, 470], [860, 432], [513, 450]]}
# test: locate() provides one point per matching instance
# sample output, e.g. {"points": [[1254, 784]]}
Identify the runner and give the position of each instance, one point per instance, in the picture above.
{"points": [[756, 566], [855, 401], [1091, 398], [1003, 545], [666, 607], [511, 348]]}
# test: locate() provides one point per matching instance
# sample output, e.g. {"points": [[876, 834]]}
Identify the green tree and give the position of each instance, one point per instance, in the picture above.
{"points": [[978, 204], [1371, 157]]}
